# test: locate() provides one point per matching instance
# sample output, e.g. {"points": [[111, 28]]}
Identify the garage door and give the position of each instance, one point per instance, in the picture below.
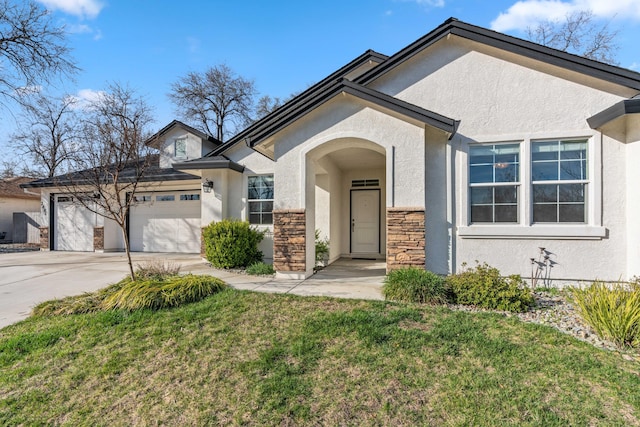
{"points": [[166, 222], [73, 226]]}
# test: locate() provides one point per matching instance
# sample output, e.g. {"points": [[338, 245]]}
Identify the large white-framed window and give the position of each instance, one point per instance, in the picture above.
{"points": [[559, 187], [494, 181], [260, 199], [559, 179]]}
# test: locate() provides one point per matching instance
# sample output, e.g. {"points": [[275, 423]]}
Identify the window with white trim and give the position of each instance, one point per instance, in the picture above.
{"points": [[260, 199], [559, 181], [494, 182], [180, 148]]}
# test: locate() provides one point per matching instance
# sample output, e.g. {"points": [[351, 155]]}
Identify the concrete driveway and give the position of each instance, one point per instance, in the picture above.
{"points": [[28, 278]]}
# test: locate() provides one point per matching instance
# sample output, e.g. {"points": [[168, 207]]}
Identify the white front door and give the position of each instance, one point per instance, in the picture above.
{"points": [[365, 221]]}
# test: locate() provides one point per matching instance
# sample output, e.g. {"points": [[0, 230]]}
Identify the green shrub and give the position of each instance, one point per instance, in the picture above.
{"points": [[414, 285], [156, 294], [612, 311], [322, 247], [260, 269], [232, 243], [484, 287]]}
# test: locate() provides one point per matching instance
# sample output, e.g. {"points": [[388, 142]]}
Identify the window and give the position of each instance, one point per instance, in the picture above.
{"points": [[180, 146], [189, 197], [165, 198], [494, 179], [260, 199], [145, 198], [559, 181]]}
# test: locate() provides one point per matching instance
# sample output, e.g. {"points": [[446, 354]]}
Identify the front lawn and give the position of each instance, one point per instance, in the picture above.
{"points": [[252, 358]]}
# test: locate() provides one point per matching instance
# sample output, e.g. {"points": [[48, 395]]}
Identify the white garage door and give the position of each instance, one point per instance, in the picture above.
{"points": [[73, 226], [166, 222]]}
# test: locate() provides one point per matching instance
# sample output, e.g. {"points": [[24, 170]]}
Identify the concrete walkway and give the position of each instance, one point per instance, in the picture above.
{"points": [[345, 278], [28, 278]]}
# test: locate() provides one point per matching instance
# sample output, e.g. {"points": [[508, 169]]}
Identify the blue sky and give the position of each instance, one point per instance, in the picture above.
{"points": [[284, 46]]}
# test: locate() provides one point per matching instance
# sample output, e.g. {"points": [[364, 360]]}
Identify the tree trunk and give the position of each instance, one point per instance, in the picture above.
{"points": [[127, 249]]}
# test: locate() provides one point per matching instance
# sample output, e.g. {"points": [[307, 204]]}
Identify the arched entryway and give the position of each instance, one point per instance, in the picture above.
{"points": [[346, 198]]}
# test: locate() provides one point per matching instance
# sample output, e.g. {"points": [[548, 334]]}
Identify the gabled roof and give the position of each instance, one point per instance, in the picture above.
{"points": [[312, 92], [327, 88], [373, 96], [177, 123], [153, 173], [592, 68], [11, 188]]}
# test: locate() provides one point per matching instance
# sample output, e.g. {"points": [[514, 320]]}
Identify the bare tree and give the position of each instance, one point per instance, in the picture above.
{"points": [[218, 102], [267, 105], [46, 134], [33, 50], [579, 34], [115, 157]]}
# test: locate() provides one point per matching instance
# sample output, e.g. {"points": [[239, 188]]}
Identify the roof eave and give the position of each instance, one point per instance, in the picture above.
{"points": [[204, 164], [590, 67], [617, 110]]}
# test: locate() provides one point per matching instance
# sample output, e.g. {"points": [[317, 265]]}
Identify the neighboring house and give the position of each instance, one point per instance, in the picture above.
{"points": [[466, 145], [14, 199]]}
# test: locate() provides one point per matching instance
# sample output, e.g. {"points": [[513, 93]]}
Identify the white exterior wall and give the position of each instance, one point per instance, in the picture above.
{"points": [[632, 194], [196, 147], [498, 100], [9, 205], [237, 188]]}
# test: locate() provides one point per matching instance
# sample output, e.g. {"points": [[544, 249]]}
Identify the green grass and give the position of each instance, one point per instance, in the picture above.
{"points": [[265, 359], [260, 269]]}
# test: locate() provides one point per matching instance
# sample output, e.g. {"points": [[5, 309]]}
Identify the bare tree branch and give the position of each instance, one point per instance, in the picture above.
{"points": [[46, 134], [217, 102], [578, 34], [114, 156], [33, 49]]}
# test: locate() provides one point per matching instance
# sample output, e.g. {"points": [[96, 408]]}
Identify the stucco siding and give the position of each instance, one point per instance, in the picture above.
{"points": [[499, 100]]}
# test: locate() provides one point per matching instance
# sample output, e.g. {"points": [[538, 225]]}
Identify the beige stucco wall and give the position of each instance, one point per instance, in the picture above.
{"points": [[498, 100], [9, 205]]}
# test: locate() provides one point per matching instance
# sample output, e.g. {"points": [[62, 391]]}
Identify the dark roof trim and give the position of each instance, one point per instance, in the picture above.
{"points": [[512, 44], [619, 109], [430, 118], [167, 175], [217, 162], [293, 104], [177, 123], [345, 86]]}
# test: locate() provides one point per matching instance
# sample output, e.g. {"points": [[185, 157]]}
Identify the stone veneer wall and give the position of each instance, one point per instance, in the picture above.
{"points": [[44, 238], [289, 240], [405, 238], [98, 238]]}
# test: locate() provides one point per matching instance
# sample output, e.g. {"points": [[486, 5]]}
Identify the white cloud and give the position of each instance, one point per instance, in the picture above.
{"points": [[526, 13], [28, 90], [80, 8], [84, 29], [85, 97]]}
